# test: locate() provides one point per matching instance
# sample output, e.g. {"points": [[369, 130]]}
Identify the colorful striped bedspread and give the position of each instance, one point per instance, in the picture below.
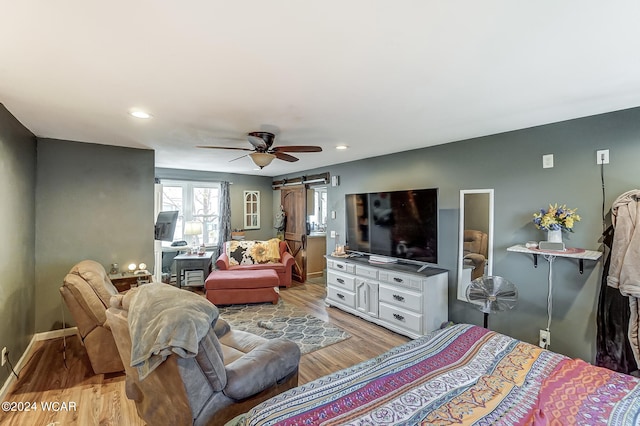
{"points": [[459, 375]]}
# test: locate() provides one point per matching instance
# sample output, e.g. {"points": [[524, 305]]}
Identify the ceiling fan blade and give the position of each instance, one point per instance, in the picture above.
{"points": [[298, 148], [285, 157], [223, 147], [257, 142]]}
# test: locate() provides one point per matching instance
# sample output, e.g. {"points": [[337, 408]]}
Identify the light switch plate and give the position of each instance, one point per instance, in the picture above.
{"points": [[547, 161], [332, 234]]}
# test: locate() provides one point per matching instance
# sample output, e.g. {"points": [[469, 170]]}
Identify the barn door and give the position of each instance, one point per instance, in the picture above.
{"points": [[294, 202]]}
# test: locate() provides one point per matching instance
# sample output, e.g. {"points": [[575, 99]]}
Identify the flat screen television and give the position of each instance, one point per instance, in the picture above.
{"points": [[166, 225], [394, 224]]}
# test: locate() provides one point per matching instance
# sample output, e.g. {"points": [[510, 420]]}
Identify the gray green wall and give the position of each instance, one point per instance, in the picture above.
{"points": [[17, 219], [93, 202], [511, 163], [239, 184]]}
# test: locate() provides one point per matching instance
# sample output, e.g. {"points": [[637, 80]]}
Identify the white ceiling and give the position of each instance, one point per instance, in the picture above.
{"points": [[378, 76]]}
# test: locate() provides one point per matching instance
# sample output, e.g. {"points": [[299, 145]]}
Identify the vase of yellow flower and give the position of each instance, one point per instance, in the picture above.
{"points": [[554, 220]]}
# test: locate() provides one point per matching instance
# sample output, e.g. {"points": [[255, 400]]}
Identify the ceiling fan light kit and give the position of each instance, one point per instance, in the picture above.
{"points": [[262, 159]]}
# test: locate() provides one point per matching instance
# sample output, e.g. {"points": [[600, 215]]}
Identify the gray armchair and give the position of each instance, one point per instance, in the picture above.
{"points": [[232, 372]]}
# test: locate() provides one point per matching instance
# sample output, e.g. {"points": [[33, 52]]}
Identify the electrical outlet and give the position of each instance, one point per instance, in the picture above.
{"points": [[545, 339], [3, 360], [602, 156]]}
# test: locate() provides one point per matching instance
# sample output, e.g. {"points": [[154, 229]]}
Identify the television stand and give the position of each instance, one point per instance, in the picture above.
{"points": [[393, 295]]}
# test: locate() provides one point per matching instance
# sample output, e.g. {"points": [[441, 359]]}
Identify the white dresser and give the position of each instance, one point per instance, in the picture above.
{"points": [[395, 296]]}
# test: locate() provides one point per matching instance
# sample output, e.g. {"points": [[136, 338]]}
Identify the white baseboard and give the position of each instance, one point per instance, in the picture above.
{"points": [[54, 334], [27, 354]]}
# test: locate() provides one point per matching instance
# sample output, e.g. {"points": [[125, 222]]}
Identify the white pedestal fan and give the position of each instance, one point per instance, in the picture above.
{"points": [[492, 294]]}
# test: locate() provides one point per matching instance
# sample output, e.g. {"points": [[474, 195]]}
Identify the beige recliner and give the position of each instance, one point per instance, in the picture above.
{"points": [[231, 372], [86, 292], [475, 251]]}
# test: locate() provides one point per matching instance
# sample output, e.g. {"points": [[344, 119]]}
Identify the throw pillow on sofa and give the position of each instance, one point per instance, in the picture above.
{"points": [[253, 252]]}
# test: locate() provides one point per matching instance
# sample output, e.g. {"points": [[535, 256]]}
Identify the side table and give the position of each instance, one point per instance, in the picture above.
{"points": [[193, 262], [125, 280]]}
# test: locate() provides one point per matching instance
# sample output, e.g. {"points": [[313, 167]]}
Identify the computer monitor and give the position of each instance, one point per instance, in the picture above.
{"points": [[166, 225]]}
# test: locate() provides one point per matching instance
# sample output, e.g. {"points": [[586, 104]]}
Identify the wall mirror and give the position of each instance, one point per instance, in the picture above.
{"points": [[475, 244]]}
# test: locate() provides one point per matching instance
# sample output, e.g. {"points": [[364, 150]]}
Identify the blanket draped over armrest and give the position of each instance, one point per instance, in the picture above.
{"points": [[165, 320]]}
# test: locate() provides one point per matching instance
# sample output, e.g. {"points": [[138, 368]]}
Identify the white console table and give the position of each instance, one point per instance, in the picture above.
{"points": [[398, 296]]}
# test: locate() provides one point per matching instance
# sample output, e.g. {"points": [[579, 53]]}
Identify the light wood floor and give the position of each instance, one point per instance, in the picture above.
{"points": [[100, 399]]}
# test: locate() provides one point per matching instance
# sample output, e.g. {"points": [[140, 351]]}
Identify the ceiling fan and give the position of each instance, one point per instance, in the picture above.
{"points": [[263, 151]]}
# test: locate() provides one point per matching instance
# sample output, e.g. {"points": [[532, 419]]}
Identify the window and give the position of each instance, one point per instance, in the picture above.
{"points": [[251, 209], [318, 211], [196, 201]]}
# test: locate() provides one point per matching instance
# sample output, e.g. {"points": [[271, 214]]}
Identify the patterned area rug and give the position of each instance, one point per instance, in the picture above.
{"points": [[282, 320]]}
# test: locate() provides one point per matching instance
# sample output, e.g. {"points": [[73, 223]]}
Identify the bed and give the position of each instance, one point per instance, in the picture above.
{"points": [[462, 374]]}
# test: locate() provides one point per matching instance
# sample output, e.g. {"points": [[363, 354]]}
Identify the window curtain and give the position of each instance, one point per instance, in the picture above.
{"points": [[225, 216]]}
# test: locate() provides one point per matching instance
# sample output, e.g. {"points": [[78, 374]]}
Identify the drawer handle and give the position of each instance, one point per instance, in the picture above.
{"points": [[340, 266], [398, 298], [341, 296], [398, 280], [398, 317], [340, 280]]}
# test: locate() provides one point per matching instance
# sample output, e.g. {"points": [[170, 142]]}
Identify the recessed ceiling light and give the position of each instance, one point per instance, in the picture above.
{"points": [[341, 147], [140, 114]]}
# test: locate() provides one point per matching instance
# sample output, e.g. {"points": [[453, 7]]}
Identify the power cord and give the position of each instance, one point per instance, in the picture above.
{"points": [[64, 335], [6, 357], [550, 259], [604, 219]]}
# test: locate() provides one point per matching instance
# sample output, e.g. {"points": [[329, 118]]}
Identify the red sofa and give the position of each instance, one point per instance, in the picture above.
{"points": [[256, 255]]}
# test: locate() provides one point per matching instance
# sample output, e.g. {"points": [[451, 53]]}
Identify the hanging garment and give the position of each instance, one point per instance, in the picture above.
{"points": [[624, 270], [279, 219], [613, 350]]}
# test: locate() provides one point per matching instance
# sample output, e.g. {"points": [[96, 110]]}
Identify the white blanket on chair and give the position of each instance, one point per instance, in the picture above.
{"points": [[165, 320]]}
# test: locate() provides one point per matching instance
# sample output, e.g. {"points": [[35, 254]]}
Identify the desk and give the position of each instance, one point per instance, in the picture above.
{"points": [[189, 262], [176, 248], [125, 280]]}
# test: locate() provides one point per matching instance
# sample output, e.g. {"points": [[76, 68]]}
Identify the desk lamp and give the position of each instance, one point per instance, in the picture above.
{"points": [[193, 228]]}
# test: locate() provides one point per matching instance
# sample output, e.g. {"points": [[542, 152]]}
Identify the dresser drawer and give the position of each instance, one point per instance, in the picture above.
{"points": [[336, 279], [400, 279], [341, 296], [365, 271], [401, 297], [401, 318], [200, 263], [339, 265]]}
